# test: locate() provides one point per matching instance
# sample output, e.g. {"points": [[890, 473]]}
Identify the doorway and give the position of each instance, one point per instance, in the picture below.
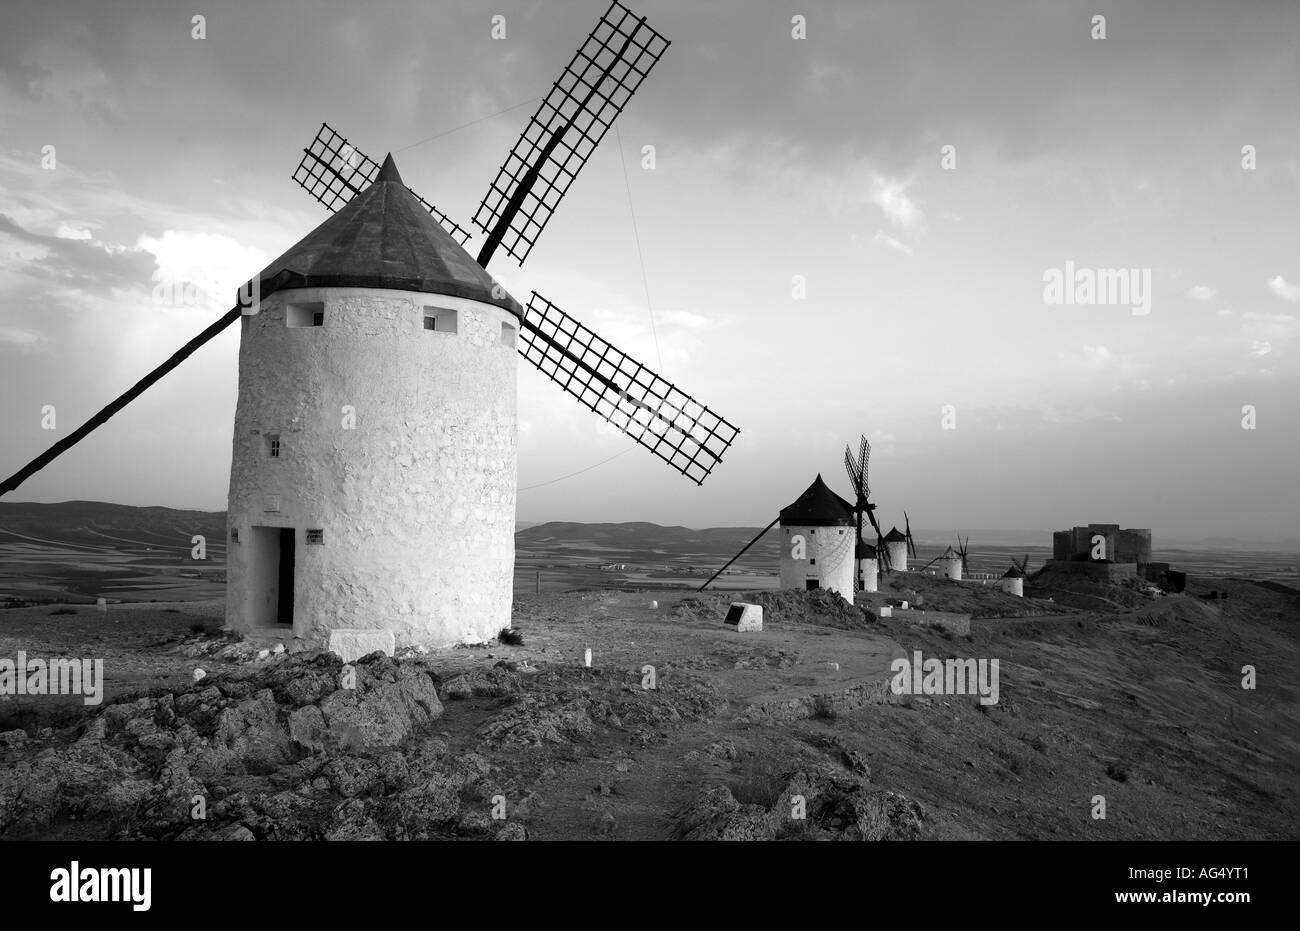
{"points": [[810, 584], [284, 600], [270, 576]]}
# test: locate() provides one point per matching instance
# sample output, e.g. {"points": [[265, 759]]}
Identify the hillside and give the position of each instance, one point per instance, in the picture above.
{"points": [[95, 524], [641, 537]]}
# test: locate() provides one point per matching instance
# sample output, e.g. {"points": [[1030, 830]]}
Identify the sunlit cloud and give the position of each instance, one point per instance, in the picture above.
{"points": [[1284, 289]]}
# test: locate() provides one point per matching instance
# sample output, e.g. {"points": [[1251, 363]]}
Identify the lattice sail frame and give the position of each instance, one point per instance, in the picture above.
{"points": [[657, 414], [334, 171], [568, 125]]}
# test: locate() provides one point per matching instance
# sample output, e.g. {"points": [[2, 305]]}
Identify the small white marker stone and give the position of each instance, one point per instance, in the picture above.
{"points": [[654, 604], [263, 654], [278, 649], [586, 658], [199, 674], [101, 605]]}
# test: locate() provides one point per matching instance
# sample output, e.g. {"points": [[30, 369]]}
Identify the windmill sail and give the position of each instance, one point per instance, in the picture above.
{"points": [[568, 125], [334, 171], [657, 414]]}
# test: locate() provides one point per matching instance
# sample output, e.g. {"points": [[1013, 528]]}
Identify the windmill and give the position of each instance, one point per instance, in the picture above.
{"points": [[962, 546], [858, 478], [385, 259], [1022, 564]]}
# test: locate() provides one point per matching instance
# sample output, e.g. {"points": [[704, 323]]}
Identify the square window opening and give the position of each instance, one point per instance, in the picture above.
{"points": [[273, 445], [316, 537], [441, 320], [299, 316]]}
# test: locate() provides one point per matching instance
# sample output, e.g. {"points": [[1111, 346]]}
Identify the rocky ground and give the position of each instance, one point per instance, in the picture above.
{"points": [[739, 735]]}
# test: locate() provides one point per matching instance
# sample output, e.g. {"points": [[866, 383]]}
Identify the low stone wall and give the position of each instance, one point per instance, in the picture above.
{"points": [[1102, 571]]}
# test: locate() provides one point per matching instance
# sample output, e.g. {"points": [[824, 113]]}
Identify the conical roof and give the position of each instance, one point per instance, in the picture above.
{"points": [[894, 536], [950, 553], [384, 238], [1013, 573], [818, 507]]}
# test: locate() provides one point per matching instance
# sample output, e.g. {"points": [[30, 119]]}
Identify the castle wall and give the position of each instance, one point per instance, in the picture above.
{"points": [[1104, 571], [832, 549], [399, 443]]}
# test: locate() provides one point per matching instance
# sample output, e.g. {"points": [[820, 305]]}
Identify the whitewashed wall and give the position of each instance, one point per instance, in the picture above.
{"points": [[416, 501]]}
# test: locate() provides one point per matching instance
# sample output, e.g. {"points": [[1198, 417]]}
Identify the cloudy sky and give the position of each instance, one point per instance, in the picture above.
{"points": [[921, 315]]}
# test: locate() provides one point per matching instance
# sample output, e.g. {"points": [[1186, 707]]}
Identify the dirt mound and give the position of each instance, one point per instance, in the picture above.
{"points": [[821, 607], [803, 804]]}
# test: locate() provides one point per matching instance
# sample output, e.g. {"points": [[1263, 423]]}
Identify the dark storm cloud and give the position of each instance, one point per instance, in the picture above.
{"points": [[81, 263]]}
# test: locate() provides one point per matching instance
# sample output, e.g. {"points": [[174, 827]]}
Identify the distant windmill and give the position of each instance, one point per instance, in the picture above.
{"points": [[857, 469], [962, 546], [373, 480]]}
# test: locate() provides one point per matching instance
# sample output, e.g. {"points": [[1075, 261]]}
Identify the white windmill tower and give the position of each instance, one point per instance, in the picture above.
{"points": [[818, 535], [372, 487]]}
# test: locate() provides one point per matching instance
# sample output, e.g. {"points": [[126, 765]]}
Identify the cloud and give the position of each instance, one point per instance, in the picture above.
{"points": [[884, 239], [208, 266], [890, 195], [19, 338], [1201, 292], [1284, 289], [1258, 349], [1099, 356], [686, 320], [81, 263]]}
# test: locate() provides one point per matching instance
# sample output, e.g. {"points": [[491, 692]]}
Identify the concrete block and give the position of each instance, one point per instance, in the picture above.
{"points": [[353, 644], [886, 611], [745, 616]]}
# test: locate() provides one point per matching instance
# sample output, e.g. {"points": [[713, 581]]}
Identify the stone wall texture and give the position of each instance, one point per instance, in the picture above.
{"points": [[399, 444]]}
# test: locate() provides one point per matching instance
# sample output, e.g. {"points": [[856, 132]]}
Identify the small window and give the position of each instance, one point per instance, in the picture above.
{"points": [[298, 316], [507, 336], [273, 445], [812, 561], [440, 319], [271, 503], [234, 534], [811, 584], [316, 537]]}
